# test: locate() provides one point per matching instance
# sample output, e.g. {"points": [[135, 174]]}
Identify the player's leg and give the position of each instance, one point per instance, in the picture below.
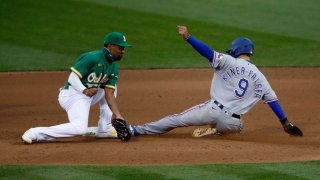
{"points": [[202, 114], [77, 107], [104, 128], [225, 124]]}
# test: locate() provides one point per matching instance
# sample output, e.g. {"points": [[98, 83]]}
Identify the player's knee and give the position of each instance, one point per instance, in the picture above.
{"points": [[228, 129], [79, 129]]}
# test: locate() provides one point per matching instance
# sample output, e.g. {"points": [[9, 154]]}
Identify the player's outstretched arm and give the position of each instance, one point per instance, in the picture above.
{"points": [[118, 122], [199, 46]]}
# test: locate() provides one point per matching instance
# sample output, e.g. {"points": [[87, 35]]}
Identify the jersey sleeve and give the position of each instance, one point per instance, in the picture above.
{"points": [[269, 95], [220, 60], [82, 66]]}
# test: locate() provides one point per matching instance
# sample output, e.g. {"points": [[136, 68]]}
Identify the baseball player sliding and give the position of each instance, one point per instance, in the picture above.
{"points": [[236, 87], [92, 80]]}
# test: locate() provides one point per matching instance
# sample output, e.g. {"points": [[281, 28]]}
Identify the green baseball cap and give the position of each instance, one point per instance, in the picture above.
{"points": [[117, 39]]}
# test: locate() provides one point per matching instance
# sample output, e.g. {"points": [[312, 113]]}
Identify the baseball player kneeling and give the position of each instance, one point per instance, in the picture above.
{"points": [[92, 80]]}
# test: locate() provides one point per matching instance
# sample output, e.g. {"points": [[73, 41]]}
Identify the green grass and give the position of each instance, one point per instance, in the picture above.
{"points": [[294, 18], [15, 58], [293, 170], [51, 34]]}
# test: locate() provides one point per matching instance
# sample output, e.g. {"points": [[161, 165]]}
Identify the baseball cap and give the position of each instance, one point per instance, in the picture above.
{"points": [[116, 38]]}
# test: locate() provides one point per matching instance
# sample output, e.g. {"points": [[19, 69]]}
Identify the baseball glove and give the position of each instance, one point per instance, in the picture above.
{"points": [[291, 128], [122, 129]]}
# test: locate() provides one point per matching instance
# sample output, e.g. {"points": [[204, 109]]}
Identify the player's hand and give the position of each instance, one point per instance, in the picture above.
{"points": [[183, 31], [119, 117], [90, 92], [291, 129]]}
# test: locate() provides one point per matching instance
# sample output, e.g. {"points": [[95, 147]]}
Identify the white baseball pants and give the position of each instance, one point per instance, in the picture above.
{"points": [[77, 105]]}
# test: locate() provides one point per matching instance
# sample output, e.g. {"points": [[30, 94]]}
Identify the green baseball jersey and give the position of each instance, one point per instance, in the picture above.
{"points": [[96, 69]]}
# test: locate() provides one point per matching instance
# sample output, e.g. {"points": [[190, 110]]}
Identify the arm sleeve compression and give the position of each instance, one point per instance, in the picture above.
{"points": [[276, 108], [75, 82], [201, 47]]}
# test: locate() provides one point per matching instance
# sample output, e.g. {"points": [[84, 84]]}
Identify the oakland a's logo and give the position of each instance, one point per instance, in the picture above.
{"points": [[93, 78]]}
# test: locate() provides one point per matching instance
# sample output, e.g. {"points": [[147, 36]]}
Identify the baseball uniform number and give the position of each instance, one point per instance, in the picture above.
{"points": [[243, 85]]}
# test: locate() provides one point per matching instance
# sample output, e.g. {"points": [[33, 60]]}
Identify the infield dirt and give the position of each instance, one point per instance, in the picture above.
{"points": [[30, 99]]}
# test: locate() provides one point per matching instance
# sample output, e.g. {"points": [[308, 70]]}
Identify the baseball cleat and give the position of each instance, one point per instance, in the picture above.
{"points": [[109, 134], [199, 132], [27, 137], [92, 132]]}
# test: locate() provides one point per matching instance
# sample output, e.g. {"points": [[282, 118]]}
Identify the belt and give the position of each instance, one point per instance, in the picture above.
{"points": [[221, 107]]}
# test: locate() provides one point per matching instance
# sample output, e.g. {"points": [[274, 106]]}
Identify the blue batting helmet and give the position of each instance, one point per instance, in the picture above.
{"points": [[240, 46]]}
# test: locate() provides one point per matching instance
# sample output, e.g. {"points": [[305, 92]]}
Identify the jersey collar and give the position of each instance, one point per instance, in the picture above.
{"points": [[107, 55], [249, 61]]}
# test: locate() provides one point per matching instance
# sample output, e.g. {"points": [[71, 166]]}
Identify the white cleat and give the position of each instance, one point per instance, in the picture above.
{"points": [[109, 134], [199, 132], [27, 137]]}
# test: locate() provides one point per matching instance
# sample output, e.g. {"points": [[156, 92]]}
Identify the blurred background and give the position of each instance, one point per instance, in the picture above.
{"points": [[50, 35]]}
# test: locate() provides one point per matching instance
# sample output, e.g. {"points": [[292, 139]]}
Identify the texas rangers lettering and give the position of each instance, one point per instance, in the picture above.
{"points": [[236, 77]]}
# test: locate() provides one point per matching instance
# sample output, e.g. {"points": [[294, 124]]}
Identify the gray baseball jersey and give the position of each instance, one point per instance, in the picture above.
{"points": [[238, 84]]}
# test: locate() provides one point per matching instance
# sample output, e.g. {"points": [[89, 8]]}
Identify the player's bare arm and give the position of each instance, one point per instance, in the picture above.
{"points": [[118, 122], [111, 100]]}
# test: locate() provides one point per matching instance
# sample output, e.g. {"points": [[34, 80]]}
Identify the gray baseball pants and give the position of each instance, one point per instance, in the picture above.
{"points": [[208, 113]]}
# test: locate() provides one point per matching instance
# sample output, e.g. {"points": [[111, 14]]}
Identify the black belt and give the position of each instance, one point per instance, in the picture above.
{"points": [[221, 107]]}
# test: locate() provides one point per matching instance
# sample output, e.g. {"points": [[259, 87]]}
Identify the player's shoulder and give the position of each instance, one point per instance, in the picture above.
{"points": [[221, 60], [91, 55], [225, 57], [114, 66], [218, 56]]}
